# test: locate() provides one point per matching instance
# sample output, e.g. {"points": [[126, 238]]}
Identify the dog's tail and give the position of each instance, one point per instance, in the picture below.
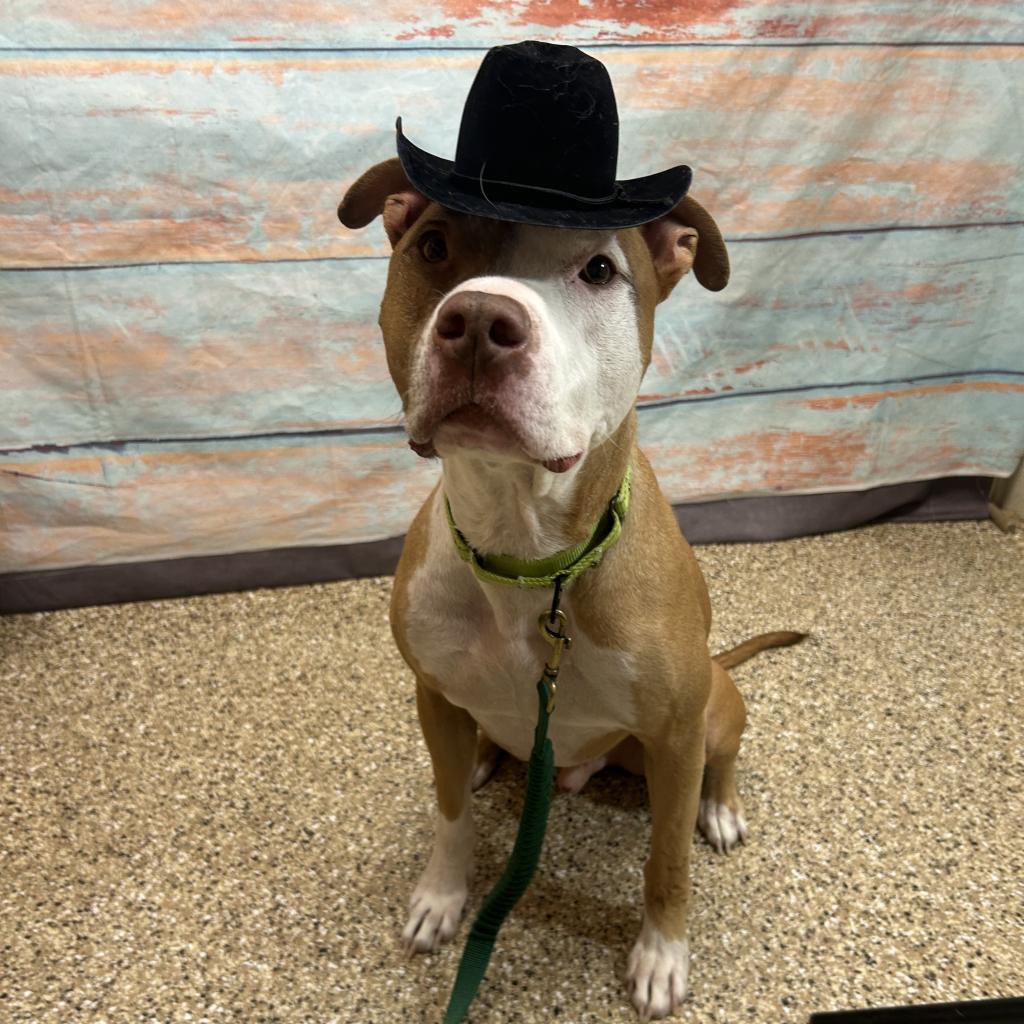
{"points": [[747, 649]]}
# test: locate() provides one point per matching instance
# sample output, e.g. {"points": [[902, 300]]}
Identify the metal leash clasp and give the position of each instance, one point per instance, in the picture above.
{"points": [[552, 627]]}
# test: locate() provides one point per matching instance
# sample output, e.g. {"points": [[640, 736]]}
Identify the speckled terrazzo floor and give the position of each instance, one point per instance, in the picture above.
{"points": [[214, 809]]}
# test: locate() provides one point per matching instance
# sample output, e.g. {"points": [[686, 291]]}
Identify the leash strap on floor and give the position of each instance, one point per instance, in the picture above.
{"points": [[522, 862], [520, 868]]}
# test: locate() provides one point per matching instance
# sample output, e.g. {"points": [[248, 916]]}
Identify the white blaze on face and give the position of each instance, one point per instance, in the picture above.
{"points": [[582, 377]]}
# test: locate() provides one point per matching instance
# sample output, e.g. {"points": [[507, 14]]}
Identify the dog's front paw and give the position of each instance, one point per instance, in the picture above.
{"points": [[657, 973], [435, 910], [722, 826]]}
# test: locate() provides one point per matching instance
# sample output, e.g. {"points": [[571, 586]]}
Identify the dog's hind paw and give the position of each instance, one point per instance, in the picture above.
{"points": [[720, 825]]}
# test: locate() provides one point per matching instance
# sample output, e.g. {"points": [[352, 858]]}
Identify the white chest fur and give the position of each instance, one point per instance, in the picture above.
{"points": [[482, 645]]}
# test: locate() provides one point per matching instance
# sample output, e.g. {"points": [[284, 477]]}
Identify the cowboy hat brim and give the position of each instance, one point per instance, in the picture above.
{"points": [[635, 201]]}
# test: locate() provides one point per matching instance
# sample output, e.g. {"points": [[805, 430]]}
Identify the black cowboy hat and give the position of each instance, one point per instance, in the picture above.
{"points": [[538, 144]]}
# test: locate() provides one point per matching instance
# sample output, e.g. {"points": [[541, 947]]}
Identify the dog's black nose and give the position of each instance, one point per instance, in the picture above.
{"points": [[475, 328]]}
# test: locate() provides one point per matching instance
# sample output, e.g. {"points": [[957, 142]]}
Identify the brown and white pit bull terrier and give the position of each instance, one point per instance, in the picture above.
{"points": [[518, 353]]}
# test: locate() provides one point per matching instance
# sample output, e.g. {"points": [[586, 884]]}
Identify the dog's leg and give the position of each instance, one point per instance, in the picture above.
{"points": [[721, 811], [437, 901], [660, 960]]}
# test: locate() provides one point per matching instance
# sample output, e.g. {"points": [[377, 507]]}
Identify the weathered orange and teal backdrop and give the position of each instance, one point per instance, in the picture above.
{"points": [[189, 357]]}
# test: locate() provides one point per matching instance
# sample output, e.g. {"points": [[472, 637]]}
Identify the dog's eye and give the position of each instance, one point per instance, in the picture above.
{"points": [[433, 247], [599, 270]]}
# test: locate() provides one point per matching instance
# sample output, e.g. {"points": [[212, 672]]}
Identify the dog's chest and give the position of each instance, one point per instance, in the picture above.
{"points": [[482, 645]]}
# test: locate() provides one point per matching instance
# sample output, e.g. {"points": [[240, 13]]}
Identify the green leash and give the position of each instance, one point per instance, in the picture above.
{"points": [[522, 862], [558, 570]]}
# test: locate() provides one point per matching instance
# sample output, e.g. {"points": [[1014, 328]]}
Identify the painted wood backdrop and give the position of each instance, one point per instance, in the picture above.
{"points": [[189, 359]]}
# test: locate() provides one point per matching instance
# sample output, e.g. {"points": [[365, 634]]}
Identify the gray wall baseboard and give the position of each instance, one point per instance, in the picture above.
{"points": [[781, 517], [776, 517]]}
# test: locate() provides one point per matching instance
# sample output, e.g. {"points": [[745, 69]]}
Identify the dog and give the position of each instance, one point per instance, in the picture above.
{"points": [[518, 351]]}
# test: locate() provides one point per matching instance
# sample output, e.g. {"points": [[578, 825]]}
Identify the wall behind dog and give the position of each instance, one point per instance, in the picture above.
{"points": [[188, 351]]}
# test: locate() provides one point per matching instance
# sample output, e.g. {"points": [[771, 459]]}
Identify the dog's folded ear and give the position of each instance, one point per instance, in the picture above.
{"points": [[686, 237], [383, 189]]}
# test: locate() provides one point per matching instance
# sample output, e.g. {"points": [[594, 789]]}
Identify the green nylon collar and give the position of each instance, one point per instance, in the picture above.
{"points": [[542, 572]]}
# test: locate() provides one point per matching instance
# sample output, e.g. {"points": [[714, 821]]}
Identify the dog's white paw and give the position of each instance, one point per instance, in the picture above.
{"points": [[721, 826], [434, 914], [657, 973]]}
